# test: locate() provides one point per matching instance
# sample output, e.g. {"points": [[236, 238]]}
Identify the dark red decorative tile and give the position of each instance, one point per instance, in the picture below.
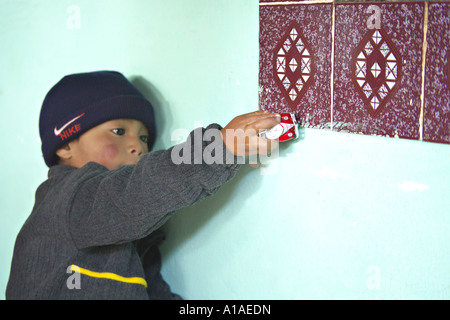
{"points": [[295, 61], [378, 68], [436, 124]]}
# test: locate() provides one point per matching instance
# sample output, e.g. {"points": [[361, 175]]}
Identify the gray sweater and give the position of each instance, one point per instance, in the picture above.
{"points": [[93, 233]]}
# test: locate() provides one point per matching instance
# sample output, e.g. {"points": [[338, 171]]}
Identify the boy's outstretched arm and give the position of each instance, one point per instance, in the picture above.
{"points": [[241, 135], [126, 204]]}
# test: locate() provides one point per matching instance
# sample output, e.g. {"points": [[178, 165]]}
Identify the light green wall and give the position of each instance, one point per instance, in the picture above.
{"points": [[339, 216], [335, 216]]}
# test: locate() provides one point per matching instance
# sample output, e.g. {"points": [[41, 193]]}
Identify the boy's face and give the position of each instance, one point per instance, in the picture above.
{"points": [[112, 144]]}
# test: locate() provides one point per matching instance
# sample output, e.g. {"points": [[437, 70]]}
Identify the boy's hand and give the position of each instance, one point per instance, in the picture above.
{"points": [[241, 135]]}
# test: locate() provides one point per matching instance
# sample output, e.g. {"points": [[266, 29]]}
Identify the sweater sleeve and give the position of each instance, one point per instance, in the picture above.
{"points": [[129, 203]]}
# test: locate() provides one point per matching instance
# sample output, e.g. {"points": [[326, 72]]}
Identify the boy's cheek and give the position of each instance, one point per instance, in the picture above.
{"points": [[109, 156]]}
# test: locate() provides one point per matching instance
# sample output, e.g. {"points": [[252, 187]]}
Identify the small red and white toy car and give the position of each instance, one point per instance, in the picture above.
{"points": [[286, 130]]}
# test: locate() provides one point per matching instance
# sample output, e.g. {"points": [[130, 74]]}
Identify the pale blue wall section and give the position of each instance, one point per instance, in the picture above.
{"points": [[335, 216]]}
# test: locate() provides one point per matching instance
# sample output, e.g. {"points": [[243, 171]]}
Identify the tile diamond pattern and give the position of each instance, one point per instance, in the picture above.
{"points": [[377, 54], [294, 65]]}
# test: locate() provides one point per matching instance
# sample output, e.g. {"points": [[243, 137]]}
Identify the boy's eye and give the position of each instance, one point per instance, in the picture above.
{"points": [[118, 131], [144, 139], [121, 132]]}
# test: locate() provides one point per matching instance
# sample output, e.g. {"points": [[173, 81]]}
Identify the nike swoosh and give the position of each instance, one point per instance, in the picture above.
{"points": [[58, 131]]}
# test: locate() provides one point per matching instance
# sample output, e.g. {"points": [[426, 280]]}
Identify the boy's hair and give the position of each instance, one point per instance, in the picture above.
{"points": [[79, 102]]}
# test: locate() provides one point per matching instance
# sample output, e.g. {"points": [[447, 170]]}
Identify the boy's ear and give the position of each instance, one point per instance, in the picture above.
{"points": [[65, 152]]}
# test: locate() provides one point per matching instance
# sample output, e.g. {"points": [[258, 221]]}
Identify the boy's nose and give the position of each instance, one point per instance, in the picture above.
{"points": [[135, 147]]}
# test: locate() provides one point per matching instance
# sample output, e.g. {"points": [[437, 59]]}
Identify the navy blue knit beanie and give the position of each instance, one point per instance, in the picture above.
{"points": [[79, 102]]}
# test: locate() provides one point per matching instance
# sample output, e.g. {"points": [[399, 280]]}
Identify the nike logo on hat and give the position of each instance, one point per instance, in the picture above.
{"points": [[58, 131]]}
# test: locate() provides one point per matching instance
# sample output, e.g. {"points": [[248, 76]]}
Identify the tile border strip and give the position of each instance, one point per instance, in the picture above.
{"points": [[340, 2], [424, 53], [333, 26], [291, 3]]}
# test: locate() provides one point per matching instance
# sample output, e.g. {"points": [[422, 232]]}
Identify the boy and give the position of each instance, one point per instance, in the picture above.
{"points": [[94, 229]]}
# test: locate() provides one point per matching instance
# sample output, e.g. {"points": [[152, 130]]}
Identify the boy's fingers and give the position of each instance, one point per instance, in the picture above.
{"points": [[257, 115], [262, 146], [266, 121], [266, 146]]}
